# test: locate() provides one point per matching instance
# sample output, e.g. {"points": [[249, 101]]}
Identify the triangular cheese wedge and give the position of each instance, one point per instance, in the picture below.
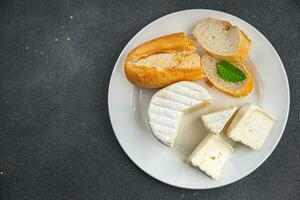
{"points": [[211, 154], [251, 126], [216, 121]]}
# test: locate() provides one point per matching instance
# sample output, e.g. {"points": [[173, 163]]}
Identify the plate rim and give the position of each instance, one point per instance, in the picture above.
{"points": [[259, 163]]}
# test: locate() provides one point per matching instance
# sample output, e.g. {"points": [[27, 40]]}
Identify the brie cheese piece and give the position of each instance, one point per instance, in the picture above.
{"points": [[211, 154], [169, 104], [216, 121], [250, 126]]}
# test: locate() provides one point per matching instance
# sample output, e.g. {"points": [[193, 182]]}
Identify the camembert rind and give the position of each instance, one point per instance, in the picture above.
{"points": [[216, 121], [250, 126], [169, 104], [211, 154]]}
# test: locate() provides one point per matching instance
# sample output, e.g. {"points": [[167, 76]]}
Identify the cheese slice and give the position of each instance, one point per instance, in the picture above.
{"points": [[216, 121], [250, 126], [211, 155], [169, 104]]}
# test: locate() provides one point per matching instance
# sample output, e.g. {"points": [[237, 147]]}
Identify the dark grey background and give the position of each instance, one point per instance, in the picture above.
{"points": [[56, 141]]}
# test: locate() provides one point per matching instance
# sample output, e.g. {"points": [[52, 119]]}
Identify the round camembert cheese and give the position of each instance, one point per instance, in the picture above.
{"points": [[169, 104]]}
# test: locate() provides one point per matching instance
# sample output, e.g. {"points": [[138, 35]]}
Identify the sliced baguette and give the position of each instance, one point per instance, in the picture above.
{"points": [[222, 40], [238, 89], [163, 61]]}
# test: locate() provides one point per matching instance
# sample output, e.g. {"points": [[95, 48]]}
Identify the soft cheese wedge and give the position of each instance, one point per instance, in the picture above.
{"points": [[210, 155], [216, 121], [250, 126], [167, 106]]}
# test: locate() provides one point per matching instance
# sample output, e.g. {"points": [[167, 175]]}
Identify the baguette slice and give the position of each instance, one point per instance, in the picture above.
{"points": [[238, 89], [163, 61], [222, 40]]}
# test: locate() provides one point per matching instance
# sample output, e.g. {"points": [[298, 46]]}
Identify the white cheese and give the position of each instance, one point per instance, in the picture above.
{"points": [[210, 155], [169, 104], [216, 121], [250, 126]]}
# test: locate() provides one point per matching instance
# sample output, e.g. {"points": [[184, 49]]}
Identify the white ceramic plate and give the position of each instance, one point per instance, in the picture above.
{"points": [[128, 109]]}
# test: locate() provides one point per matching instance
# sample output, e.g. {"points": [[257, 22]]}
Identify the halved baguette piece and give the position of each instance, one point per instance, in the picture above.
{"points": [[238, 89], [163, 61], [222, 40]]}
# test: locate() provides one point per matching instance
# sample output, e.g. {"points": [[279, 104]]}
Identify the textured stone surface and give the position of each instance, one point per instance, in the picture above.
{"points": [[56, 141]]}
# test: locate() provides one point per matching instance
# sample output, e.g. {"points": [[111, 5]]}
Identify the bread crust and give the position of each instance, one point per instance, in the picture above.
{"points": [[152, 77], [147, 77], [241, 52], [165, 44], [241, 93]]}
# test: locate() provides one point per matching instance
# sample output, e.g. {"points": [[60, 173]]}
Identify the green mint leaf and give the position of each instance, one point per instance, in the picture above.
{"points": [[229, 72]]}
